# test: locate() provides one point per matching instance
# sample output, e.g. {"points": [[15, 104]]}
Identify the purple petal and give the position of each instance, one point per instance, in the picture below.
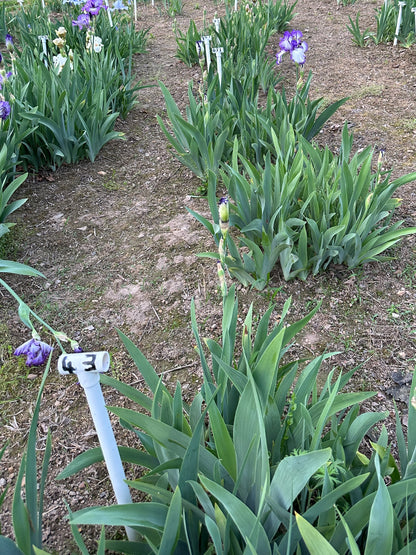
{"points": [[24, 348], [286, 42]]}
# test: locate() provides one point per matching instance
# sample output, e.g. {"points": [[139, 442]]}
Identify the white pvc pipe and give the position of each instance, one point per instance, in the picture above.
{"points": [[207, 39], [399, 22], [110, 19], [218, 51], [87, 367]]}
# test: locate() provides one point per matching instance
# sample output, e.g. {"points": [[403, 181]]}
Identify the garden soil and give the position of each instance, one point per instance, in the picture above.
{"points": [[119, 252]]}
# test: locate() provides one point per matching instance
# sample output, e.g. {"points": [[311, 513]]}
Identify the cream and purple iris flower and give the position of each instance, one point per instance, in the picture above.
{"points": [[292, 42]]}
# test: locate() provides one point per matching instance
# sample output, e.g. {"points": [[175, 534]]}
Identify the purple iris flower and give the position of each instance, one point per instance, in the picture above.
{"points": [[92, 7], [82, 21], [35, 350], [4, 109], [292, 42]]}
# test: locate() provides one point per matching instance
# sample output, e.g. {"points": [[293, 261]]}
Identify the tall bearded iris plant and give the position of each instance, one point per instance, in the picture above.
{"points": [[292, 42]]}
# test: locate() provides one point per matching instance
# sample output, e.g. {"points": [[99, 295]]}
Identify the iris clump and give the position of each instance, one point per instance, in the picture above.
{"points": [[35, 350], [292, 42]]}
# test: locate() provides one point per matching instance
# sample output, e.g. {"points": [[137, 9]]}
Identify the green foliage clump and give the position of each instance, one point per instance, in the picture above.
{"points": [[244, 35], [65, 99], [308, 209], [386, 25], [258, 443]]}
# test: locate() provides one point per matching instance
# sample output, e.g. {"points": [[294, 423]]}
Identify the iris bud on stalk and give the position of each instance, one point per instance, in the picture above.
{"points": [[224, 214], [9, 43], [60, 336], [221, 277], [245, 340], [379, 164]]}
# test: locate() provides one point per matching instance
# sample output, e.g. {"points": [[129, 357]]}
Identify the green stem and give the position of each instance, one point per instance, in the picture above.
{"points": [[38, 318]]}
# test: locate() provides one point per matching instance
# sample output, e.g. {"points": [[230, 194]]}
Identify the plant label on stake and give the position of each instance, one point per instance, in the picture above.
{"points": [[135, 10], [399, 22], [87, 367], [413, 10], [218, 51], [110, 19], [216, 22], [43, 39], [206, 39]]}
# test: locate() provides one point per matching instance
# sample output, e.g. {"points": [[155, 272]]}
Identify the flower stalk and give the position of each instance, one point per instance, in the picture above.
{"points": [[36, 350]]}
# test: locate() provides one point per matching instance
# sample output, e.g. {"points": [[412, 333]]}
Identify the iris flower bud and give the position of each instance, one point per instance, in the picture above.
{"points": [[224, 214], [9, 42]]}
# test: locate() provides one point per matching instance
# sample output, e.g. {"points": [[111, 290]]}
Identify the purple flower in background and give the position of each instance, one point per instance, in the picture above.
{"points": [[82, 21], [8, 39], [292, 42], [4, 109], [92, 7], [35, 350]]}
